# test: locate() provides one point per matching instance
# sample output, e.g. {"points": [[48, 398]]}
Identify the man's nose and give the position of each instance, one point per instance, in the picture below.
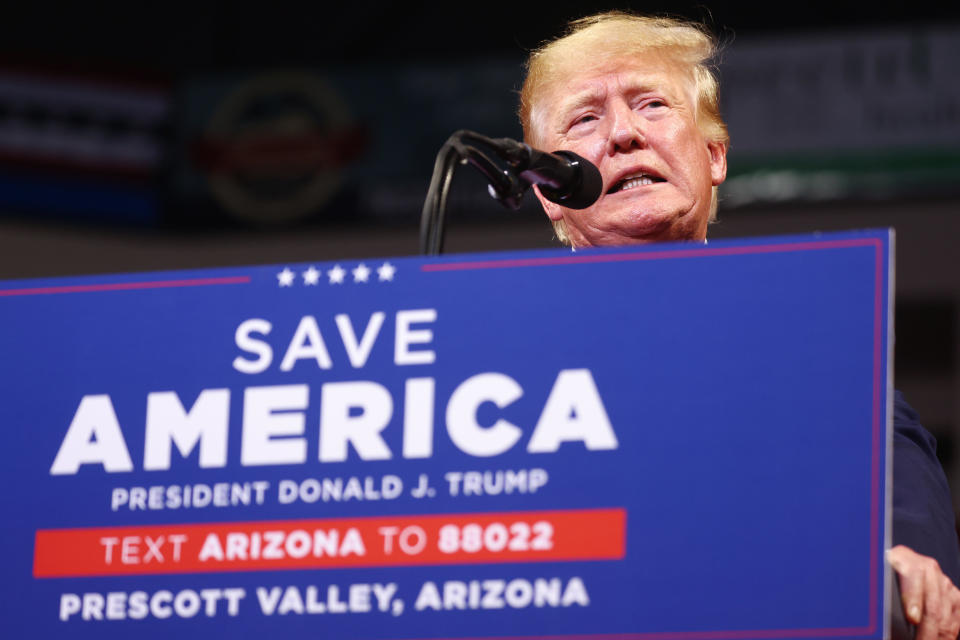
{"points": [[625, 130]]}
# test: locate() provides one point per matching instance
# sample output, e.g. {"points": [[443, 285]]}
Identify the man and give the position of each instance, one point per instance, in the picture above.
{"points": [[634, 96]]}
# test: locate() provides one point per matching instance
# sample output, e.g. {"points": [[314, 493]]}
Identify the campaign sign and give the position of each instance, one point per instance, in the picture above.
{"points": [[680, 441]]}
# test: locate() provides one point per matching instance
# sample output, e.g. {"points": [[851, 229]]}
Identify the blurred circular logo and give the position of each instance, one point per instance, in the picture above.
{"points": [[274, 149]]}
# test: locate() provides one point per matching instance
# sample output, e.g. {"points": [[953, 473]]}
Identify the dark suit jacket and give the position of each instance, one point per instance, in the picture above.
{"points": [[923, 516]]}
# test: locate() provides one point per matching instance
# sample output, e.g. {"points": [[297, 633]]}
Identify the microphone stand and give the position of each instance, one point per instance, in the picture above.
{"points": [[459, 149]]}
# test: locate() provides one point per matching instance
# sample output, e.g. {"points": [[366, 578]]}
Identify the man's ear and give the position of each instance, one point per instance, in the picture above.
{"points": [[718, 162], [552, 209]]}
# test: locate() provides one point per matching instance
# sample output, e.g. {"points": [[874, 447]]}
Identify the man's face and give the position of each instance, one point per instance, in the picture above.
{"points": [[636, 120]]}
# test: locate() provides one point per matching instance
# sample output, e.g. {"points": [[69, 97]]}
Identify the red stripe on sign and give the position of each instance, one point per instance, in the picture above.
{"points": [[526, 536], [125, 286]]}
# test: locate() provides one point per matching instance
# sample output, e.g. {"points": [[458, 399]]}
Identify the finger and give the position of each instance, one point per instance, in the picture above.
{"points": [[953, 598], [933, 616], [911, 586]]}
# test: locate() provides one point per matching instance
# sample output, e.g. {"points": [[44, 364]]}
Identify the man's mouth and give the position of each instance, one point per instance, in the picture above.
{"points": [[634, 181]]}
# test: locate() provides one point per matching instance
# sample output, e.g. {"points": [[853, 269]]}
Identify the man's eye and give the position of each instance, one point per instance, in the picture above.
{"points": [[655, 103], [584, 119]]}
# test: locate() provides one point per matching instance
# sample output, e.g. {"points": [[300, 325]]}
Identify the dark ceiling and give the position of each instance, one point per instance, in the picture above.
{"points": [[174, 37]]}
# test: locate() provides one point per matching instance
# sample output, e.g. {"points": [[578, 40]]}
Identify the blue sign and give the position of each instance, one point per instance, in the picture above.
{"points": [[679, 441]]}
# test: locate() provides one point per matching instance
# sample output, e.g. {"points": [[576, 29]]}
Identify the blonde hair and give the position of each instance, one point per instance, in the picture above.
{"points": [[600, 38]]}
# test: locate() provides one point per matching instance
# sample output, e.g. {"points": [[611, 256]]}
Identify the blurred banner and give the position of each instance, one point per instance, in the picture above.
{"points": [[859, 115], [82, 147], [280, 146]]}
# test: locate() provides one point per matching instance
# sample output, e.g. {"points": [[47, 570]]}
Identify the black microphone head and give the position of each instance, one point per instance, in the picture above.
{"points": [[585, 191]]}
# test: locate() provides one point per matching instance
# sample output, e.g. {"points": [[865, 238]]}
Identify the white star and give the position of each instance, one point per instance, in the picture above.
{"points": [[386, 271], [361, 273], [286, 277], [336, 274], [311, 276]]}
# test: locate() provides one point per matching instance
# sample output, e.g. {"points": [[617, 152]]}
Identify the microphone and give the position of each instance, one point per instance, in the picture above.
{"points": [[563, 176]]}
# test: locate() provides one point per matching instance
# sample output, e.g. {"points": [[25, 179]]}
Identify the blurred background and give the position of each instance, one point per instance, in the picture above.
{"points": [[138, 137]]}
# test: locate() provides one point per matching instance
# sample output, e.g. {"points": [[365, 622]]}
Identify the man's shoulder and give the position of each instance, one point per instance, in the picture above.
{"points": [[906, 423]]}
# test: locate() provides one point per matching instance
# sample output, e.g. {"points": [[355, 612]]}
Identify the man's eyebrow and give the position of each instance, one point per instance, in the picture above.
{"points": [[581, 100], [596, 95]]}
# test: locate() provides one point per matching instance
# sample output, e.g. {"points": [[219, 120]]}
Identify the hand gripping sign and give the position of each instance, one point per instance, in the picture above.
{"points": [[673, 442]]}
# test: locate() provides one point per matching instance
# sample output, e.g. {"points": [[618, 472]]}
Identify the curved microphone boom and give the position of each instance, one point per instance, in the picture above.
{"points": [[562, 177]]}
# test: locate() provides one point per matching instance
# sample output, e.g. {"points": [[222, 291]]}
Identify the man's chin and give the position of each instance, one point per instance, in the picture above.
{"points": [[662, 226], [648, 230], [626, 226]]}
